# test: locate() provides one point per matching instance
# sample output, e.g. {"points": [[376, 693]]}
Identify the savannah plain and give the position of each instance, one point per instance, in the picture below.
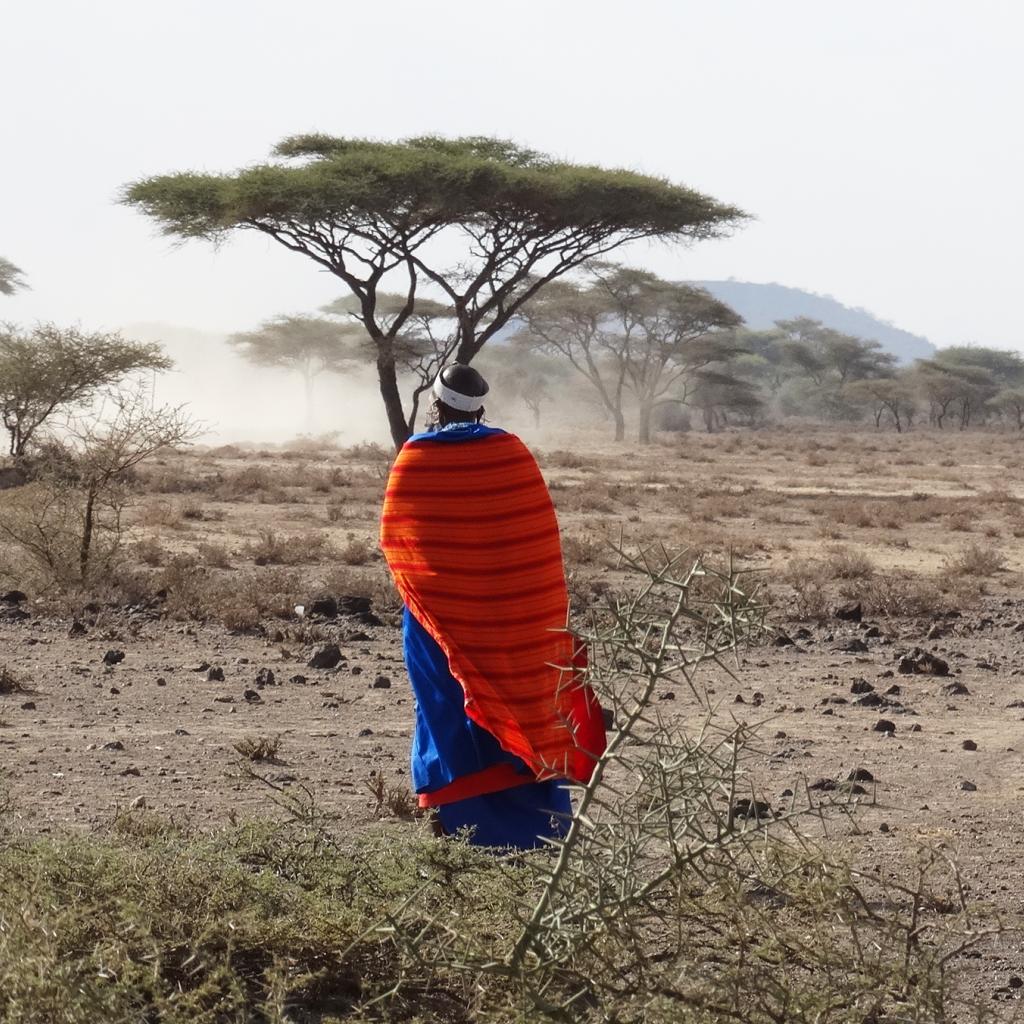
{"points": [[199, 704]]}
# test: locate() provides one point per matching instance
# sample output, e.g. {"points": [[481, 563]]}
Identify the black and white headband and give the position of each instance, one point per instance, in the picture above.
{"points": [[464, 403]]}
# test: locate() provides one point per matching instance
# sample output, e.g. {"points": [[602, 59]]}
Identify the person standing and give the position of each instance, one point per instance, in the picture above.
{"points": [[503, 715]]}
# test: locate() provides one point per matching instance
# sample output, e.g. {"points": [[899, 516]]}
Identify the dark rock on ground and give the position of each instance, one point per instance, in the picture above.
{"points": [[968, 787], [746, 808], [861, 686], [265, 677], [921, 662], [328, 656], [956, 689], [215, 674], [860, 775], [113, 657], [884, 725], [850, 612], [969, 745], [13, 597], [382, 683], [252, 696], [77, 628], [325, 606]]}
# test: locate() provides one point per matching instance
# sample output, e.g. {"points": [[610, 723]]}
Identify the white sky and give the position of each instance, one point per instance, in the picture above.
{"points": [[873, 140]]}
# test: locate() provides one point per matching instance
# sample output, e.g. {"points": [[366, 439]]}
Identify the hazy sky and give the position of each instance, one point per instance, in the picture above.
{"points": [[874, 141]]}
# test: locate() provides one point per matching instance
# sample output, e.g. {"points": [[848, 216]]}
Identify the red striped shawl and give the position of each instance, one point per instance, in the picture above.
{"points": [[470, 536]]}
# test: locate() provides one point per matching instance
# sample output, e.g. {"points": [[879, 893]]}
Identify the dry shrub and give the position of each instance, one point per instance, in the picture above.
{"points": [[848, 564], [975, 560], [961, 522], [272, 548], [585, 550], [214, 555], [335, 513], [150, 551], [166, 515], [10, 682], [565, 460], [392, 800], [258, 748], [358, 551], [241, 601], [898, 597]]}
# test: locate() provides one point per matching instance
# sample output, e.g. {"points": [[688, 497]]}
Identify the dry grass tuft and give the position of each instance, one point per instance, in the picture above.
{"points": [[258, 748]]}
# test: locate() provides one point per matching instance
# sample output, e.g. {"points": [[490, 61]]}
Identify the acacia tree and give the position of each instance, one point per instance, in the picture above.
{"points": [[311, 345], [892, 395], [380, 215], [11, 277], [50, 368], [632, 333], [675, 331], [577, 322]]}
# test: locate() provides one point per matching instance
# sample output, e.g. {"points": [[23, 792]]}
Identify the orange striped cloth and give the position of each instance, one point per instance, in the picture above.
{"points": [[469, 533]]}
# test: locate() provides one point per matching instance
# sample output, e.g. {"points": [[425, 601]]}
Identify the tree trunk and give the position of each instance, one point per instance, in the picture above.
{"points": [[644, 434], [392, 401], [620, 425], [307, 380], [87, 528]]}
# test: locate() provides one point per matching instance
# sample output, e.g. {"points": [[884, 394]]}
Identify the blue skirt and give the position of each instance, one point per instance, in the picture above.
{"points": [[521, 817]]}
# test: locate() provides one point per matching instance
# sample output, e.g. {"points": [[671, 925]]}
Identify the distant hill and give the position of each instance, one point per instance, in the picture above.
{"points": [[762, 304]]}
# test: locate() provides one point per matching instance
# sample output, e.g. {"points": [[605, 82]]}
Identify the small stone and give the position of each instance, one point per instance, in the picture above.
{"points": [[860, 775], [161, 681], [884, 827], [884, 725], [77, 628], [873, 632], [969, 745], [113, 745], [113, 657], [138, 804], [115, 691], [956, 689], [667, 695], [182, 732], [916, 727], [968, 787], [201, 667], [781, 734], [850, 612], [860, 686], [131, 770], [328, 656], [215, 674], [298, 680], [252, 697], [746, 808], [1015, 981], [265, 677], [738, 699], [365, 732], [608, 716], [382, 683]]}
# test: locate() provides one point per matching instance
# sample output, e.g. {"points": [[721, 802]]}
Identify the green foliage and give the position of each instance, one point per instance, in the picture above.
{"points": [[369, 212], [11, 277], [50, 368]]}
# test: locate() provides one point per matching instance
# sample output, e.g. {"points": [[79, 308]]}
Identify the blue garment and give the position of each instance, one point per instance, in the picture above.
{"points": [[447, 744], [521, 817], [457, 432]]}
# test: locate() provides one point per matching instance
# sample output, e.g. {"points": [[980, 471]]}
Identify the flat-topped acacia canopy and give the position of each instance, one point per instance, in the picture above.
{"points": [[366, 210]]}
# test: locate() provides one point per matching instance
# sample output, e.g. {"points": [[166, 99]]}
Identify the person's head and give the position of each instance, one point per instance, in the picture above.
{"points": [[459, 394]]}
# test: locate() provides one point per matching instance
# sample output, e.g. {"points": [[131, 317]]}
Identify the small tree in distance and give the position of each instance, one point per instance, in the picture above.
{"points": [[310, 345], [11, 277], [52, 368], [629, 332], [385, 216]]}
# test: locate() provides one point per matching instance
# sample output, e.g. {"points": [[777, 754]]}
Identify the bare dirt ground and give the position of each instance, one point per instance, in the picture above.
{"points": [[924, 531]]}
